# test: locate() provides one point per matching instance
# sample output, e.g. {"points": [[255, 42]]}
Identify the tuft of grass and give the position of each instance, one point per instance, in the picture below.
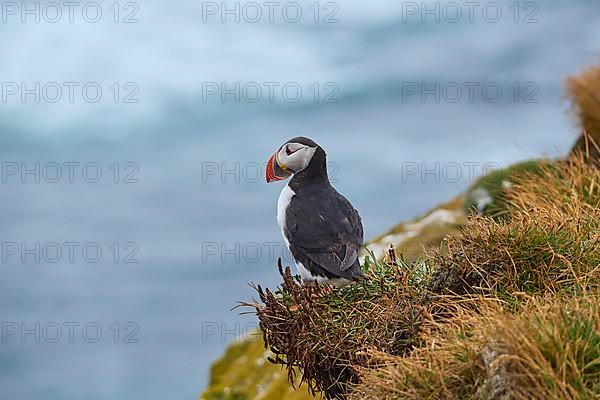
{"points": [[548, 241], [327, 333], [550, 350]]}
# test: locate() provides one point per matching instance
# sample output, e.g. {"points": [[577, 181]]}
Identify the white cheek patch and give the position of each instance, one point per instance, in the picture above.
{"points": [[307, 154], [298, 159]]}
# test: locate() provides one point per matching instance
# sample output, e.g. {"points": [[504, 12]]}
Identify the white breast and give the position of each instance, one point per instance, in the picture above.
{"points": [[282, 204]]}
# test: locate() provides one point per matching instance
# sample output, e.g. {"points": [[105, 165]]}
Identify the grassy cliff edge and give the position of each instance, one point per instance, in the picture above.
{"points": [[493, 295]]}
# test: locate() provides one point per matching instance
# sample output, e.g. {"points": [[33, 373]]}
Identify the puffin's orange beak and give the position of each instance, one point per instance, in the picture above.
{"points": [[274, 171]]}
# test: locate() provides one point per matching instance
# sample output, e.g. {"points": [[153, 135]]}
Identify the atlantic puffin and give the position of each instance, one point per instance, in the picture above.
{"points": [[321, 228]]}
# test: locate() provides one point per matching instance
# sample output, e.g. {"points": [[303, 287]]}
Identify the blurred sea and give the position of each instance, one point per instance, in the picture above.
{"points": [[179, 291]]}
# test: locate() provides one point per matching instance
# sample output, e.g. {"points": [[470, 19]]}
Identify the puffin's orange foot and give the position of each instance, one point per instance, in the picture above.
{"points": [[316, 291], [295, 308]]}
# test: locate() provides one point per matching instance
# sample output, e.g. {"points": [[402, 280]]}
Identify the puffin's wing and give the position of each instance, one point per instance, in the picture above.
{"points": [[328, 232], [332, 259]]}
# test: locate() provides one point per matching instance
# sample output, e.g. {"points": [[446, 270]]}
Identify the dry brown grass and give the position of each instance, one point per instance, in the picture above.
{"points": [[584, 90], [550, 350], [499, 340], [551, 241]]}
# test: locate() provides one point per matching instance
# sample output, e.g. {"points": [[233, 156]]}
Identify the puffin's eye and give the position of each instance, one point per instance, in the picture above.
{"points": [[289, 151]]}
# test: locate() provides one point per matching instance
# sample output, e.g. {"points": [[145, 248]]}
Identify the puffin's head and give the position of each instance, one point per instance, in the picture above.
{"points": [[292, 157]]}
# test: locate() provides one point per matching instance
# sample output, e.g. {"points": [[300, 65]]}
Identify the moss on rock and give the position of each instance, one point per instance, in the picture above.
{"points": [[245, 373], [488, 194]]}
